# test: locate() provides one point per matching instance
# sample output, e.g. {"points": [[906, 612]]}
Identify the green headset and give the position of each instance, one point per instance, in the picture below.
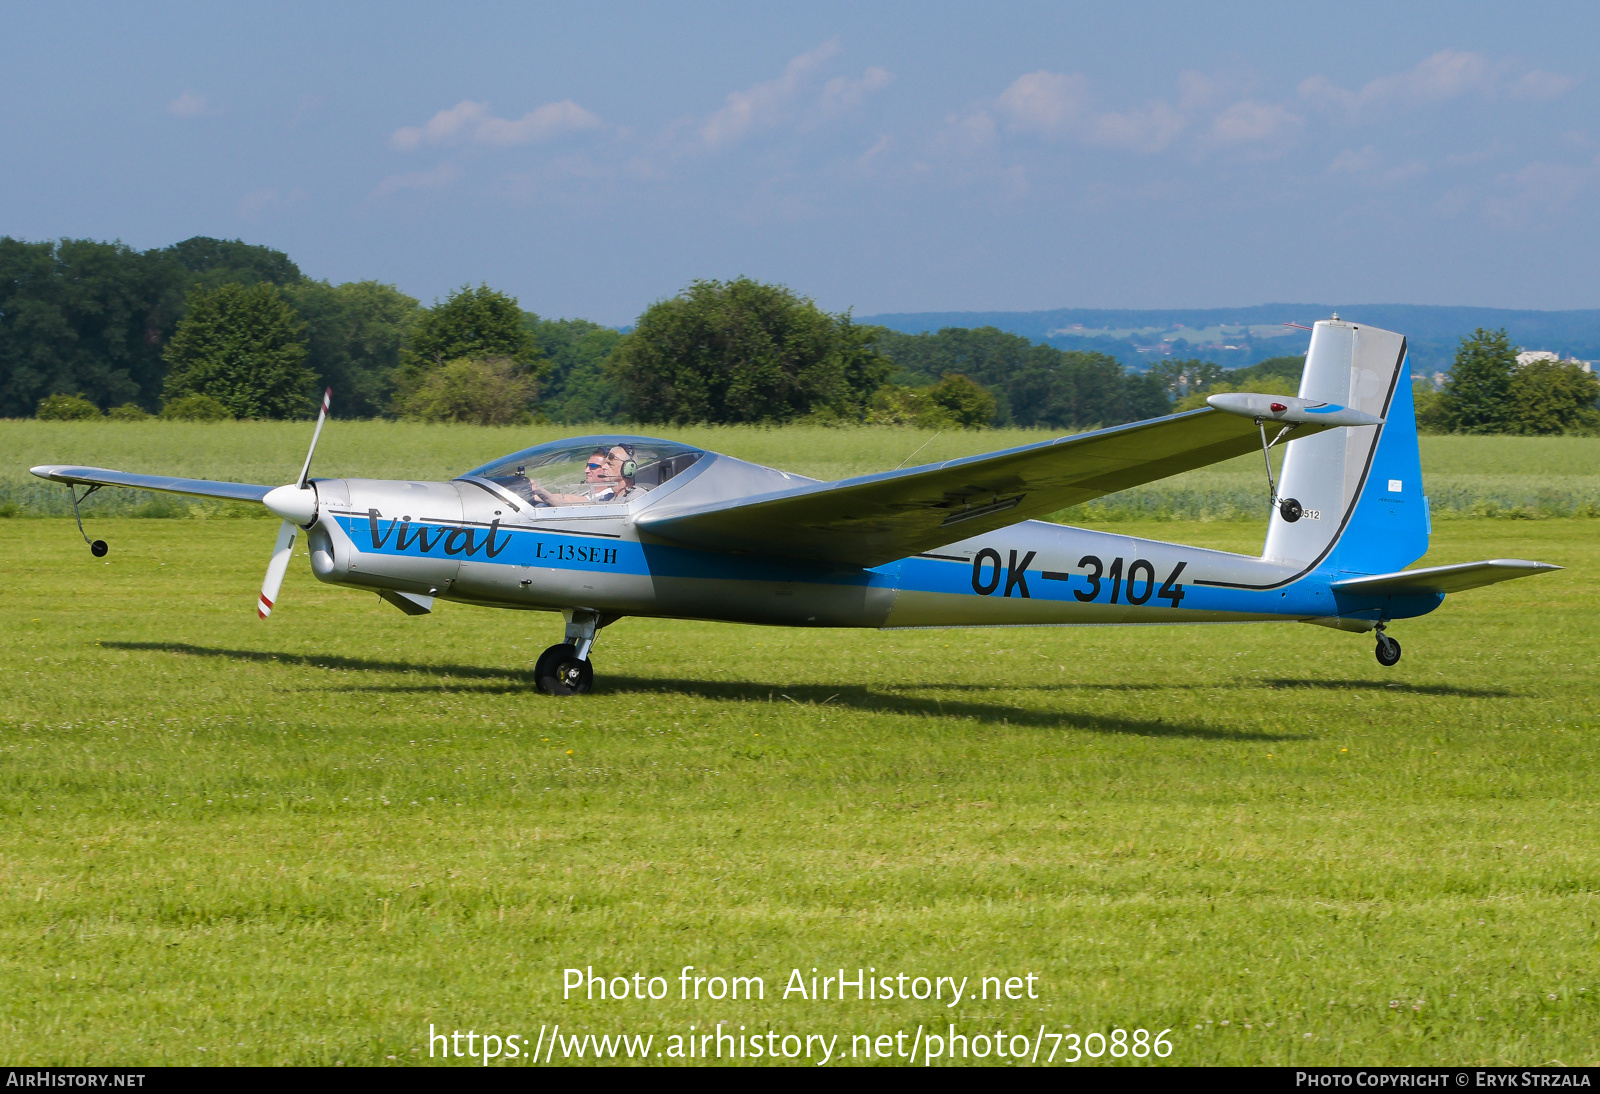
{"points": [[630, 466]]}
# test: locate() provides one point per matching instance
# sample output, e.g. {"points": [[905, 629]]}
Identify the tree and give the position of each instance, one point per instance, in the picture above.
{"points": [[1185, 377], [964, 404], [492, 392], [1036, 385], [1260, 385], [242, 347], [575, 387], [196, 408], [1476, 397], [478, 324], [354, 333], [210, 263], [1554, 397], [67, 408], [1287, 369], [953, 403], [77, 315], [743, 351]]}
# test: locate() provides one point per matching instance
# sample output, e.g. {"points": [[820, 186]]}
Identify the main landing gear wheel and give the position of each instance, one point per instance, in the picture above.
{"points": [[1388, 652], [559, 671]]}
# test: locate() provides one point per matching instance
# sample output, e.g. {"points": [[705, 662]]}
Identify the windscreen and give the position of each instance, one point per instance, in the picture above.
{"points": [[589, 470]]}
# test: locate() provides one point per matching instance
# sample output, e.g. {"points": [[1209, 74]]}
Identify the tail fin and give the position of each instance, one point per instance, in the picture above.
{"points": [[1361, 488]]}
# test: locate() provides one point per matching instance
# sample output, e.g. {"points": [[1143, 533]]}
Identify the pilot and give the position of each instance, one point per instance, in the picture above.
{"points": [[612, 480], [608, 476]]}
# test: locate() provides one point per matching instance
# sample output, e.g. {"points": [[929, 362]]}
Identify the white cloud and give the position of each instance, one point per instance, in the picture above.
{"points": [[1537, 190], [1047, 103], [1445, 75], [1198, 91], [442, 175], [1253, 122], [875, 158], [1146, 130], [1057, 104], [541, 124], [1367, 166], [1448, 74], [441, 127], [472, 121], [842, 93], [1541, 85], [765, 104], [967, 133], [188, 105]]}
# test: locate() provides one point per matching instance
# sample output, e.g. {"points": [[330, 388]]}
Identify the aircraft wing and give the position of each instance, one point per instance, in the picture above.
{"points": [[1444, 579], [875, 519], [200, 488]]}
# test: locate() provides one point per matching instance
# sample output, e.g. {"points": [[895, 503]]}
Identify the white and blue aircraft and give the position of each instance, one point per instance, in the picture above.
{"points": [[607, 526]]}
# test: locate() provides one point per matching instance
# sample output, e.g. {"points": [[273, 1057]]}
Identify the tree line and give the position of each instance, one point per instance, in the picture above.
{"points": [[218, 329], [213, 328]]}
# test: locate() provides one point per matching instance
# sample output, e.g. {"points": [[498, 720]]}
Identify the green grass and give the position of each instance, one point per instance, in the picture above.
{"points": [[1526, 477], [227, 841]]}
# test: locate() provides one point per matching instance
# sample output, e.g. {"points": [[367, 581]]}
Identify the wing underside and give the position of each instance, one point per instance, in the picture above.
{"points": [[1444, 579], [198, 488], [878, 518]]}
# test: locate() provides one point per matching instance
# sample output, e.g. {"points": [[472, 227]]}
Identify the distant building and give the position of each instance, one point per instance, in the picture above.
{"points": [[1529, 357]]}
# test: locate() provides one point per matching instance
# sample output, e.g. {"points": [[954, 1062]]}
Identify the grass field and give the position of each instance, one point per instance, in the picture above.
{"points": [[1527, 477], [305, 840]]}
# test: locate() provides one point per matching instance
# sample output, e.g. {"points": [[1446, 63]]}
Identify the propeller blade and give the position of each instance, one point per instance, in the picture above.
{"points": [[305, 472], [279, 565]]}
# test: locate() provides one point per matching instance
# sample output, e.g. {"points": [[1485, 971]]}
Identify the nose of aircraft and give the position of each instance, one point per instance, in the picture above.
{"points": [[293, 502]]}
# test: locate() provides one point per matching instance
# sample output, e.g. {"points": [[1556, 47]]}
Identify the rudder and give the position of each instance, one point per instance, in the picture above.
{"points": [[1361, 487]]}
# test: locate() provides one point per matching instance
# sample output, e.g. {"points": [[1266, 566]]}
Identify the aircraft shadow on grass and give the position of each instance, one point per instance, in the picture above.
{"points": [[1450, 690], [480, 680], [1278, 684]]}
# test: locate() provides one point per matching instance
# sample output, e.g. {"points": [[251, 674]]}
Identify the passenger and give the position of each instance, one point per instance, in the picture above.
{"points": [[607, 477]]}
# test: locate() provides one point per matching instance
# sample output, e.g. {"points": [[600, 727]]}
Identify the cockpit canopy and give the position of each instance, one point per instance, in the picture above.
{"points": [[600, 469]]}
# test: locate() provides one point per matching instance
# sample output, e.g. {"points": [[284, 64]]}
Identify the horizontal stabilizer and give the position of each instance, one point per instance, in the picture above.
{"points": [[199, 488], [1287, 409], [875, 519], [1443, 579]]}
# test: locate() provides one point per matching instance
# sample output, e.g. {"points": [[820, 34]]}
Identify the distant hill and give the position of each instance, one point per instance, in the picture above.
{"points": [[1235, 337]]}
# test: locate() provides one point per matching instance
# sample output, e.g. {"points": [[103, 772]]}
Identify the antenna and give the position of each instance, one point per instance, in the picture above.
{"points": [[920, 447]]}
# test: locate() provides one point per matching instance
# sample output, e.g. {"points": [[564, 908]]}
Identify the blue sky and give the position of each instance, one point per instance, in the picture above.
{"points": [[888, 157]]}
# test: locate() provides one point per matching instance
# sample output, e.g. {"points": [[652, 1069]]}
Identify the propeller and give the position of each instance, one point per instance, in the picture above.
{"points": [[297, 505]]}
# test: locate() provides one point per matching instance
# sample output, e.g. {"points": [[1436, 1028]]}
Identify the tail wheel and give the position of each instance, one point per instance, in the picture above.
{"points": [[1388, 651], [559, 671]]}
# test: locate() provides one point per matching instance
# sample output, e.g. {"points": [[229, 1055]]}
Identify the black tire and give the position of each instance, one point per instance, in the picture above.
{"points": [[560, 672], [1290, 510], [1388, 651], [98, 548]]}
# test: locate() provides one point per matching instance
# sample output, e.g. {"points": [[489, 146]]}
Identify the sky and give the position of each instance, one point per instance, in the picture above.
{"points": [[592, 159]]}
